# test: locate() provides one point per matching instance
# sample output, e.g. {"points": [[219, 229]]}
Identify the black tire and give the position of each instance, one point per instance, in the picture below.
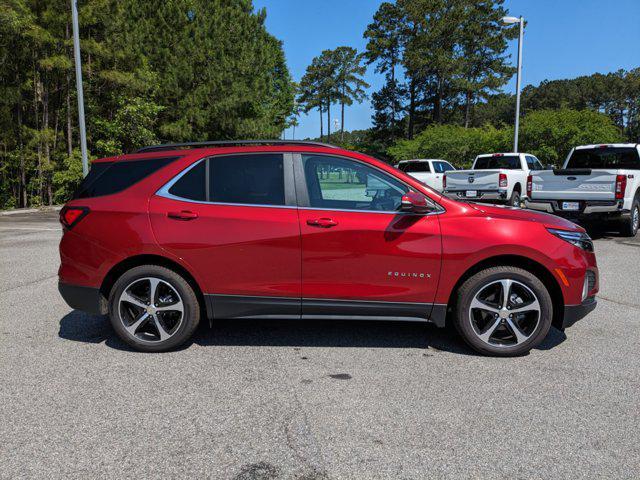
{"points": [[629, 227], [514, 201], [190, 306], [481, 280]]}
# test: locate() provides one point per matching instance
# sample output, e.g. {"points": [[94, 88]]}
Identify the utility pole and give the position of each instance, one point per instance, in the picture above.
{"points": [[520, 21], [80, 94]]}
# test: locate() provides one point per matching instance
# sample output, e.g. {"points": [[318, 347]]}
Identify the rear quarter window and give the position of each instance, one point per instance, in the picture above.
{"points": [[106, 178]]}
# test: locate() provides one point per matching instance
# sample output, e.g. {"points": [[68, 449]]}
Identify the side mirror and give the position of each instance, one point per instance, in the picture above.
{"points": [[415, 203]]}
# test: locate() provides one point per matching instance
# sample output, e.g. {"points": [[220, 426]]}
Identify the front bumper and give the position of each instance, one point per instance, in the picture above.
{"points": [[483, 195], [573, 313], [586, 207], [87, 299]]}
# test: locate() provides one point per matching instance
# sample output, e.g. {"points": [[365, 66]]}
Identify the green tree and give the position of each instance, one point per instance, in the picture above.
{"points": [[348, 79], [550, 134]]}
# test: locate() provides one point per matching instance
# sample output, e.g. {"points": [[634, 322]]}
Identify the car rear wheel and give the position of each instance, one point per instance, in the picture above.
{"points": [[631, 224], [153, 309], [514, 201], [503, 311]]}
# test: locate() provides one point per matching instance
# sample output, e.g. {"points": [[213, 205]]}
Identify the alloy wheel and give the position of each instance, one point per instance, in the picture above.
{"points": [[504, 313], [151, 309], [635, 219]]}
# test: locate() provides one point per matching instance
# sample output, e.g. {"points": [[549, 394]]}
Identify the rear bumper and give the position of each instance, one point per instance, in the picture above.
{"points": [[483, 195], [587, 207], [573, 313], [87, 299]]}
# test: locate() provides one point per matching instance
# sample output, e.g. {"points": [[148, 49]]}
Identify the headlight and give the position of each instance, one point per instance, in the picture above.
{"points": [[579, 239]]}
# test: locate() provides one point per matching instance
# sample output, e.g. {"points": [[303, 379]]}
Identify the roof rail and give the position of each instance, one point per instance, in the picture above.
{"points": [[229, 143]]}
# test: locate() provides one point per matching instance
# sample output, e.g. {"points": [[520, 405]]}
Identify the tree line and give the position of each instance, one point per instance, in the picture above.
{"points": [[179, 70]]}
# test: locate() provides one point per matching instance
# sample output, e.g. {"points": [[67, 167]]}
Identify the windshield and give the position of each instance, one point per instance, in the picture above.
{"points": [[509, 162], [411, 167], [608, 157]]}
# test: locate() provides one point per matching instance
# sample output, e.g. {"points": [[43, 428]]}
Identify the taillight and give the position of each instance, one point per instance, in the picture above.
{"points": [[444, 181], [621, 186], [502, 182], [529, 185], [69, 216]]}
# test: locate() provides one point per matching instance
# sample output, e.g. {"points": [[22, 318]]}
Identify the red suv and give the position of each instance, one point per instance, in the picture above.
{"points": [[161, 238]]}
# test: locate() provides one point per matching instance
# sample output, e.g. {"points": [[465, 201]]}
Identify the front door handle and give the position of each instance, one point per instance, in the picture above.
{"points": [[183, 215], [322, 222]]}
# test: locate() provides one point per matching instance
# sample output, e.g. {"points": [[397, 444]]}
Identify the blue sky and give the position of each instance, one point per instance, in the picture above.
{"points": [[563, 39]]}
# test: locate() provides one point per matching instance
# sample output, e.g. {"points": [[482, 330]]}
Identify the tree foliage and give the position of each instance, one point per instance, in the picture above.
{"points": [[153, 71], [548, 134], [334, 76]]}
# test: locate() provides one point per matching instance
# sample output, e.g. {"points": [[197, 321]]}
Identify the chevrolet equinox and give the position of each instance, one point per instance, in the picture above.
{"points": [[172, 234]]}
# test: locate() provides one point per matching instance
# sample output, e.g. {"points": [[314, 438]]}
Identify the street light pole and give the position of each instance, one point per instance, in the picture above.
{"points": [[80, 94], [518, 80], [520, 21]]}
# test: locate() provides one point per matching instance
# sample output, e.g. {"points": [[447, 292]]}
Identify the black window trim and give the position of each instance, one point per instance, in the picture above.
{"points": [[289, 187], [303, 193]]}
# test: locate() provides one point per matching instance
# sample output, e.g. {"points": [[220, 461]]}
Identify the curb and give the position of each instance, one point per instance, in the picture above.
{"points": [[19, 211]]}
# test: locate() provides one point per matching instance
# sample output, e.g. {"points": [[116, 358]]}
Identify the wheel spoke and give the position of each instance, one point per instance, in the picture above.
{"points": [[133, 328], [486, 335], [520, 337], [175, 307], [127, 297], [153, 288], [161, 330], [506, 289], [533, 306], [480, 305]]}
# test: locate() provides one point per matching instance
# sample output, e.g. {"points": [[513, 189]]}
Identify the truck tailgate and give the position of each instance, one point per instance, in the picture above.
{"points": [[574, 185], [473, 180]]}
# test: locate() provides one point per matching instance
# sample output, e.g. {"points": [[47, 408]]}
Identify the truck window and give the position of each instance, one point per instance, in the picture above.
{"points": [[413, 167], [533, 163], [442, 167], [608, 157], [507, 162]]}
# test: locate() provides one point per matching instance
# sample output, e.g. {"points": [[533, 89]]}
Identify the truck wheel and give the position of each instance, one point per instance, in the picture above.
{"points": [[630, 225], [503, 311], [153, 309], [514, 201]]}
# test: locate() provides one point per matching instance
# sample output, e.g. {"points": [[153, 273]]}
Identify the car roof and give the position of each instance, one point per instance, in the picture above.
{"points": [[499, 154], [607, 145], [423, 160]]}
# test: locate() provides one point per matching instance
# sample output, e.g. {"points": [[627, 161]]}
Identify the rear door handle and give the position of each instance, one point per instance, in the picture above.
{"points": [[183, 215], [322, 222]]}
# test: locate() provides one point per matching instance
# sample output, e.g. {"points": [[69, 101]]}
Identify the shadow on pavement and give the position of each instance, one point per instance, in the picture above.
{"points": [[81, 327]]}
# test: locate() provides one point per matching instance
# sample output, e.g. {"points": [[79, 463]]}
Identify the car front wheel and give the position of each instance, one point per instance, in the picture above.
{"points": [[153, 309], [503, 311]]}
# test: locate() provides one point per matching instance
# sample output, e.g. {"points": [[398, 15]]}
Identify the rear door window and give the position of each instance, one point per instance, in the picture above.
{"points": [[533, 163], [106, 178], [607, 157], [254, 179], [442, 167]]}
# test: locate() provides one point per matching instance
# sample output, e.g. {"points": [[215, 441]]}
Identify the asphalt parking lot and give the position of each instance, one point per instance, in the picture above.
{"points": [[313, 400]]}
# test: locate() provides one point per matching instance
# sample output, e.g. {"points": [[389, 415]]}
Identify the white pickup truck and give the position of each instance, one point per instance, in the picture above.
{"points": [[493, 178], [596, 181], [429, 171]]}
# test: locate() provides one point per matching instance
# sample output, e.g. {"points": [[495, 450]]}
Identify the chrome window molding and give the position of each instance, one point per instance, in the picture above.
{"points": [[164, 190]]}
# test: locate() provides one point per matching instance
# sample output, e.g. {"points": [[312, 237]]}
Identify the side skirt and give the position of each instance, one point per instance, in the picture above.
{"points": [[252, 307]]}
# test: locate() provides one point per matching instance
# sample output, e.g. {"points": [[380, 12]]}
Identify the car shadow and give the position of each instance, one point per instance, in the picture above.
{"points": [[81, 327]]}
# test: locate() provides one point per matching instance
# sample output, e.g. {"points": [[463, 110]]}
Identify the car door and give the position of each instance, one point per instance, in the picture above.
{"points": [[440, 169], [233, 219], [361, 256]]}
